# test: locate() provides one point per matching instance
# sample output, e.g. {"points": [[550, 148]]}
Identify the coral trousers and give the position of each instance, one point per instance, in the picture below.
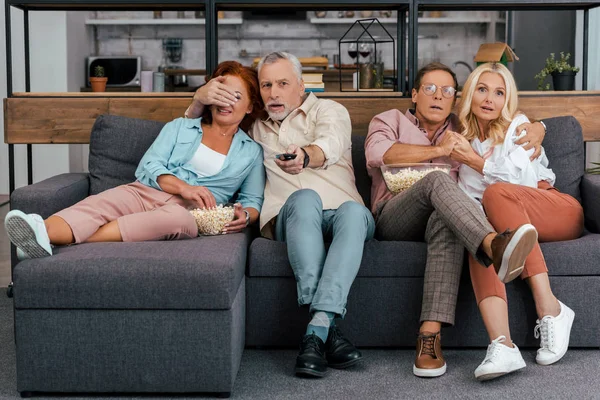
{"points": [[556, 216], [142, 213]]}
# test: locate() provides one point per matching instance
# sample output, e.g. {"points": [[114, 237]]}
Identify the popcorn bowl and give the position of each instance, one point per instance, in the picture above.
{"points": [[211, 221], [399, 177]]}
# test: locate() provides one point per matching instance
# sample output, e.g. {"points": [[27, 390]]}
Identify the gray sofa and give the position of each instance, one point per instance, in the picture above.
{"points": [[126, 317], [175, 316], [385, 299]]}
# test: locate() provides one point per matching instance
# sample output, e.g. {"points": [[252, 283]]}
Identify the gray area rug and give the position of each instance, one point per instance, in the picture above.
{"points": [[385, 374]]}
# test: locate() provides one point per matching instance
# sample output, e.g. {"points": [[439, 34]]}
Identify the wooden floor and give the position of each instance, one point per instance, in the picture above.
{"points": [[4, 250]]}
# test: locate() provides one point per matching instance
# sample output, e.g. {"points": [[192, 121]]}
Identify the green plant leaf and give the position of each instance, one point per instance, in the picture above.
{"points": [[553, 65]]}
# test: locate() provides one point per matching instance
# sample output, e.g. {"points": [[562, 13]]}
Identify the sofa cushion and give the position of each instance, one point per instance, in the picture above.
{"points": [[380, 259], [117, 144], [201, 273], [573, 257], [268, 258], [564, 146], [359, 161]]}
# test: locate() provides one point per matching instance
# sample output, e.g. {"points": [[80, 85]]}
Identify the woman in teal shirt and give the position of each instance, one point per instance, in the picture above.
{"points": [[193, 163]]}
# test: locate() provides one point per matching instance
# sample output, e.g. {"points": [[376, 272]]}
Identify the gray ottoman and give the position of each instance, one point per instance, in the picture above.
{"points": [[132, 317]]}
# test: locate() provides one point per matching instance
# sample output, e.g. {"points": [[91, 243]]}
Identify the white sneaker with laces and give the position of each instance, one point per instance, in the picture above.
{"points": [[28, 232], [554, 333], [499, 360]]}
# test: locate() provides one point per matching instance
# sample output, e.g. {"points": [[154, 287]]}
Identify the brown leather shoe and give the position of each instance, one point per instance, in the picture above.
{"points": [[429, 362], [510, 249]]}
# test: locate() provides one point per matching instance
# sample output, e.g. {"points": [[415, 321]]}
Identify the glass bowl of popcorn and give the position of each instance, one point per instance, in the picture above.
{"points": [[399, 177], [211, 221]]}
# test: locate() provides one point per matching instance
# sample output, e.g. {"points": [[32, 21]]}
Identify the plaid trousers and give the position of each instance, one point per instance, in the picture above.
{"points": [[436, 210]]}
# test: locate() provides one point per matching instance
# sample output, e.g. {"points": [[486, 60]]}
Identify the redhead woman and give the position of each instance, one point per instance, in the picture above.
{"points": [[513, 189], [192, 163]]}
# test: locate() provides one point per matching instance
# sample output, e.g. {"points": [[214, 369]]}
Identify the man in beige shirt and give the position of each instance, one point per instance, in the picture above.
{"points": [[310, 197]]}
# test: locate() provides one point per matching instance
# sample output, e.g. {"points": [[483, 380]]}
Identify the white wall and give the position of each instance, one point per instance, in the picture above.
{"points": [[58, 44], [78, 47], [593, 149], [48, 55], [3, 146], [18, 66]]}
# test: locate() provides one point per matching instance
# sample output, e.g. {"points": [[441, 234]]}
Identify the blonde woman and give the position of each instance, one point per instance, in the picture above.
{"points": [[513, 189]]}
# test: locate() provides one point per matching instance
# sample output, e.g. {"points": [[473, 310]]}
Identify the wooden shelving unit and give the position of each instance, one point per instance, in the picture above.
{"points": [[406, 30]]}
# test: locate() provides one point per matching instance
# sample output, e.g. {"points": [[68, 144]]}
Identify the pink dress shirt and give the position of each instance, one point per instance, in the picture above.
{"points": [[392, 127]]}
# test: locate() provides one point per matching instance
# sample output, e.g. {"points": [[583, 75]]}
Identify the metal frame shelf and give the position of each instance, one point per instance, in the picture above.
{"points": [[161, 21], [499, 5], [506, 5], [211, 7], [105, 5]]}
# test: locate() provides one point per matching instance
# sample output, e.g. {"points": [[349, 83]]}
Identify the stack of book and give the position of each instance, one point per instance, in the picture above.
{"points": [[313, 82]]}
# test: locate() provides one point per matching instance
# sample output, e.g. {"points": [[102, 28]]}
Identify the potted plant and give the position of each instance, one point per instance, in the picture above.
{"points": [[98, 81], [563, 73]]}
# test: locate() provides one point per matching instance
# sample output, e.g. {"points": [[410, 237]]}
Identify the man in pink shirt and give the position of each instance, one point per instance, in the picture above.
{"points": [[435, 209]]}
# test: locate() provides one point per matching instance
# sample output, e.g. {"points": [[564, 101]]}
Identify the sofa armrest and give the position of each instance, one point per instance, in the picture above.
{"points": [[51, 195], [590, 199]]}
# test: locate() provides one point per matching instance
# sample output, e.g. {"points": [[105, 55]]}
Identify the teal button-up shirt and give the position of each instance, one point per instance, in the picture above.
{"points": [[176, 144]]}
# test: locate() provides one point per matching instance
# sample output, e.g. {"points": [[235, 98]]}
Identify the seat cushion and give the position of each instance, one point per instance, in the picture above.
{"points": [[201, 273], [117, 144], [577, 257], [268, 258]]}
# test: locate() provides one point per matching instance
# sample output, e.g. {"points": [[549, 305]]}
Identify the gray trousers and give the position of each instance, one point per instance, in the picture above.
{"points": [[436, 210]]}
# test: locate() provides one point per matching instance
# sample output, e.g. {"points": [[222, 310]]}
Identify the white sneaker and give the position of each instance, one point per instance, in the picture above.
{"points": [[28, 232], [499, 360], [555, 333]]}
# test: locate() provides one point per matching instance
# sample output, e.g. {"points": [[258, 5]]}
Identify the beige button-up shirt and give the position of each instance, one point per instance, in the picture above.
{"points": [[319, 122]]}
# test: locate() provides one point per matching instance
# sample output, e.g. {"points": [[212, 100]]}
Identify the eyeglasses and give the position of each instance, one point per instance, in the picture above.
{"points": [[447, 91]]}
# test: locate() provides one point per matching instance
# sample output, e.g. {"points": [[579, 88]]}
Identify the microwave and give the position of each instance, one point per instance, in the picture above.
{"points": [[120, 70]]}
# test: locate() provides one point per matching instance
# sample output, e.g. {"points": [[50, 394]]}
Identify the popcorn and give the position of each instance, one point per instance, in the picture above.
{"points": [[212, 221], [405, 178]]}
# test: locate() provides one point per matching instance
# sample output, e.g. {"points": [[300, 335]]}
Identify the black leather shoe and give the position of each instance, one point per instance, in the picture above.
{"points": [[311, 360], [340, 353]]}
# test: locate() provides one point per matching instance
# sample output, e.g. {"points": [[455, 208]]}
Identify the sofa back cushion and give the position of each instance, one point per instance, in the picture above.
{"points": [[359, 161], [564, 147], [117, 144]]}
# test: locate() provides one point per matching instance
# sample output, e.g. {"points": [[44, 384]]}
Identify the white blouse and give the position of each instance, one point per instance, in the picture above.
{"points": [[506, 162], [206, 161]]}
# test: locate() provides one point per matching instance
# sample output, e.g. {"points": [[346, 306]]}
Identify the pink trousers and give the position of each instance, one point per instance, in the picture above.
{"points": [[556, 216], [142, 213]]}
